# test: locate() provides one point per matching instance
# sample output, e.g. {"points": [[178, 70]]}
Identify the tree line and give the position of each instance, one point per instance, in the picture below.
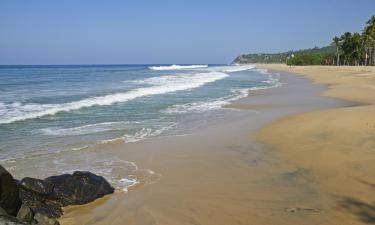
{"points": [[352, 49], [316, 56], [355, 48]]}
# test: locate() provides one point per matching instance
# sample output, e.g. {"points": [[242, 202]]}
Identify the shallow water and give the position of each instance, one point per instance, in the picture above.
{"points": [[52, 116]]}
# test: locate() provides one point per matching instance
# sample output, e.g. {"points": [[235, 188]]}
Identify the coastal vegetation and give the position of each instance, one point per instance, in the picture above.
{"points": [[283, 56], [350, 49]]}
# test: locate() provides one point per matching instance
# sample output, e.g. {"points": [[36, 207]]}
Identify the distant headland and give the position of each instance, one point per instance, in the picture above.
{"points": [[351, 49]]}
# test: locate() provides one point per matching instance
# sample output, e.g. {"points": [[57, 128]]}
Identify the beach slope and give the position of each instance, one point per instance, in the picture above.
{"points": [[218, 173], [335, 145]]}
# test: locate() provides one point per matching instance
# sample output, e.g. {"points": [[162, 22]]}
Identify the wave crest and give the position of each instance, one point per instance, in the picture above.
{"points": [[177, 67], [212, 104], [232, 69], [85, 129], [161, 85]]}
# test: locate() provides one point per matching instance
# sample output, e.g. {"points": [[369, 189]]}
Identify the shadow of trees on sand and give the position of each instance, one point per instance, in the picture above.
{"points": [[365, 211]]}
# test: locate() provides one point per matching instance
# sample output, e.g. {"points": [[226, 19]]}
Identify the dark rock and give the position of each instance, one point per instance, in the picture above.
{"points": [[25, 214], [10, 220], [79, 188], [43, 219], [38, 202], [49, 211], [3, 212], [42, 200], [9, 200], [36, 185]]}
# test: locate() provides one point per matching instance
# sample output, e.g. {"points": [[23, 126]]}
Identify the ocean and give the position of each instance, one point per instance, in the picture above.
{"points": [[52, 116]]}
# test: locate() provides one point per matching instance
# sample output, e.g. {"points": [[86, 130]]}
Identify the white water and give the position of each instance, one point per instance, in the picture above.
{"points": [[139, 135], [177, 67], [45, 137], [212, 104], [164, 84], [86, 129], [231, 69]]}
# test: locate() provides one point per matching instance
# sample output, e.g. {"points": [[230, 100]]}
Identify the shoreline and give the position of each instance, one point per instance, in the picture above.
{"points": [[219, 174], [335, 145]]}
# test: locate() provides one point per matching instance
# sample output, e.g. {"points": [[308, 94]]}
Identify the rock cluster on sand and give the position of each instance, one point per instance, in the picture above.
{"points": [[35, 201]]}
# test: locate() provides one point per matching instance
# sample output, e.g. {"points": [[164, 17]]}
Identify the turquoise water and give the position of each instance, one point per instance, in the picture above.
{"points": [[53, 112]]}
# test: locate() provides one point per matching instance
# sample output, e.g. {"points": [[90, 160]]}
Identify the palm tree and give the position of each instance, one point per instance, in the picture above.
{"points": [[366, 43], [357, 48], [336, 41], [346, 47], [370, 32]]}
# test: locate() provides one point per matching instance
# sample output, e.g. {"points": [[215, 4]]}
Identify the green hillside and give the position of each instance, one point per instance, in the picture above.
{"points": [[282, 56]]}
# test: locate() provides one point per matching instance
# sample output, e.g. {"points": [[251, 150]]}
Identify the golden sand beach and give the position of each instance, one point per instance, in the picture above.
{"points": [[336, 145]]}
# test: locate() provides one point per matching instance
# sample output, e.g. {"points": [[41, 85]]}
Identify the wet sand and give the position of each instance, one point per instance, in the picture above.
{"points": [[221, 173], [337, 146]]}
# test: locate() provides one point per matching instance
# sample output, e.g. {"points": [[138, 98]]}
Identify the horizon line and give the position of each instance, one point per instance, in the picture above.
{"points": [[114, 64]]}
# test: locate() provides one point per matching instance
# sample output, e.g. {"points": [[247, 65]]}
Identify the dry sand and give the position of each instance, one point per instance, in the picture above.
{"points": [[220, 174], [337, 145]]}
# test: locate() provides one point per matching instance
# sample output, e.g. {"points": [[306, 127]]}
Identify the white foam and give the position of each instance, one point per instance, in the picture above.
{"points": [[232, 69], [86, 129], [212, 104], [128, 182], [80, 148], [121, 174], [177, 67], [164, 84], [147, 132], [119, 140], [139, 135], [272, 81]]}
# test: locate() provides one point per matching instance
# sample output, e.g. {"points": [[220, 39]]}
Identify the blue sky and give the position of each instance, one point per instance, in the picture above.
{"points": [[157, 31]]}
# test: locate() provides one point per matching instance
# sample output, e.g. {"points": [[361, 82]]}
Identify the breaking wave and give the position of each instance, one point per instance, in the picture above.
{"points": [[161, 85], [177, 67], [86, 129], [232, 69], [212, 104]]}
